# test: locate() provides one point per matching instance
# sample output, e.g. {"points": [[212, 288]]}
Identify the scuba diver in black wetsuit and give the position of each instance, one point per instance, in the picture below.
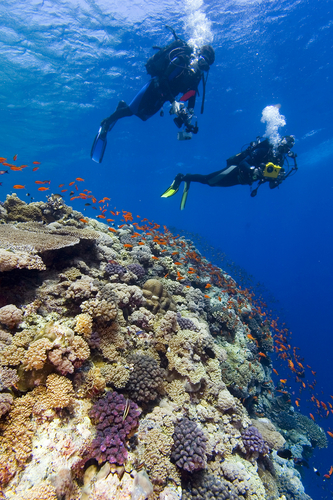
{"points": [[175, 69], [261, 162]]}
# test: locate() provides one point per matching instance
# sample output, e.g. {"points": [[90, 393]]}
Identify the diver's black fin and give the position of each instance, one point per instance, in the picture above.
{"points": [[185, 194]]}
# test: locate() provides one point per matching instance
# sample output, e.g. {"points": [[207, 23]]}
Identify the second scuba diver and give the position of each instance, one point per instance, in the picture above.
{"points": [[261, 162], [175, 69]]}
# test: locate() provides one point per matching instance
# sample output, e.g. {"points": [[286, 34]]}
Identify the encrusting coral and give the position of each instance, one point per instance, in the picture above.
{"points": [[132, 367]]}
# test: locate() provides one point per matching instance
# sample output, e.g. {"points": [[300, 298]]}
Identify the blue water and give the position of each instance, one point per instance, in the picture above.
{"points": [[64, 67]]}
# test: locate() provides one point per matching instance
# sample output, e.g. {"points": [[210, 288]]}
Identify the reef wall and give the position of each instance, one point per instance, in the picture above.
{"points": [[132, 368]]}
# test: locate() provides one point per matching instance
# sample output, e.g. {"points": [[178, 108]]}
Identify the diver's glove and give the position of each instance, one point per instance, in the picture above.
{"points": [[176, 107], [256, 173]]}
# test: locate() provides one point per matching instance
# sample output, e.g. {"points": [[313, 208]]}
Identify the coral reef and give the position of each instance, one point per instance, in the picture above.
{"points": [[132, 367]]}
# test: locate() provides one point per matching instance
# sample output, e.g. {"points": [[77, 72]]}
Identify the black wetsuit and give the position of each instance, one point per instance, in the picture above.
{"points": [[179, 78], [238, 169]]}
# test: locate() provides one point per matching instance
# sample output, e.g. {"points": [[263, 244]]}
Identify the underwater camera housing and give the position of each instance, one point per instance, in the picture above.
{"points": [[272, 171], [184, 136]]}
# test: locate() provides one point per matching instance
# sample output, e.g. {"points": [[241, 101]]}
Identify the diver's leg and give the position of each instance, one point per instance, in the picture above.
{"points": [[122, 111], [224, 178]]}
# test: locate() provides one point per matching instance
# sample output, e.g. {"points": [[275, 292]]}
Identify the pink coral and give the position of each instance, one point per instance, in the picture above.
{"points": [[10, 315]]}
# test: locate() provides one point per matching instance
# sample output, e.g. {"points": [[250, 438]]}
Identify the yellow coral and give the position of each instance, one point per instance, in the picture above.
{"points": [[59, 391], [116, 374], [177, 393], [83, 325], [36, 355], [12, 355], [100, 309]]}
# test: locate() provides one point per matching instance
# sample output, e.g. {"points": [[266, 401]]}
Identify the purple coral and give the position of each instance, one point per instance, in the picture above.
{"points": [[137, 270], [254, 442], [185, 323], [189, 450], [146, 379], [114, 267], [115, 419]]}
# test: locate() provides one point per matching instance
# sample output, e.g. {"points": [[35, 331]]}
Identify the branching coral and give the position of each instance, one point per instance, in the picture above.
{"points": [[83, 325], [189, 449], [81, 289], [115, 419], [8, 378], [100, 309], [116, 374], [254, 442], [63, 351], [6, 401], [145, 380], [128, 297]]}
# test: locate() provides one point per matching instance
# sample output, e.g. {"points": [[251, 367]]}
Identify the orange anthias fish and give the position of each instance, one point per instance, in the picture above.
{"points": [[36, 162], [312, 416], [79, 179], [12, 167], [43, 189], [35, 169], [15, 157], [127, 245], [18, 186], [330, 434]]}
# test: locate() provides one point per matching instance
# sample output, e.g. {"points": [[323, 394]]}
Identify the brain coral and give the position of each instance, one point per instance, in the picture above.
{"points": [[158, 299], [115, 418], [189, 450]]}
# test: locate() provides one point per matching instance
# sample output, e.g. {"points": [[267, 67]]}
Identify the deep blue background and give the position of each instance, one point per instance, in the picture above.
{"points": [[65, 65]]}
